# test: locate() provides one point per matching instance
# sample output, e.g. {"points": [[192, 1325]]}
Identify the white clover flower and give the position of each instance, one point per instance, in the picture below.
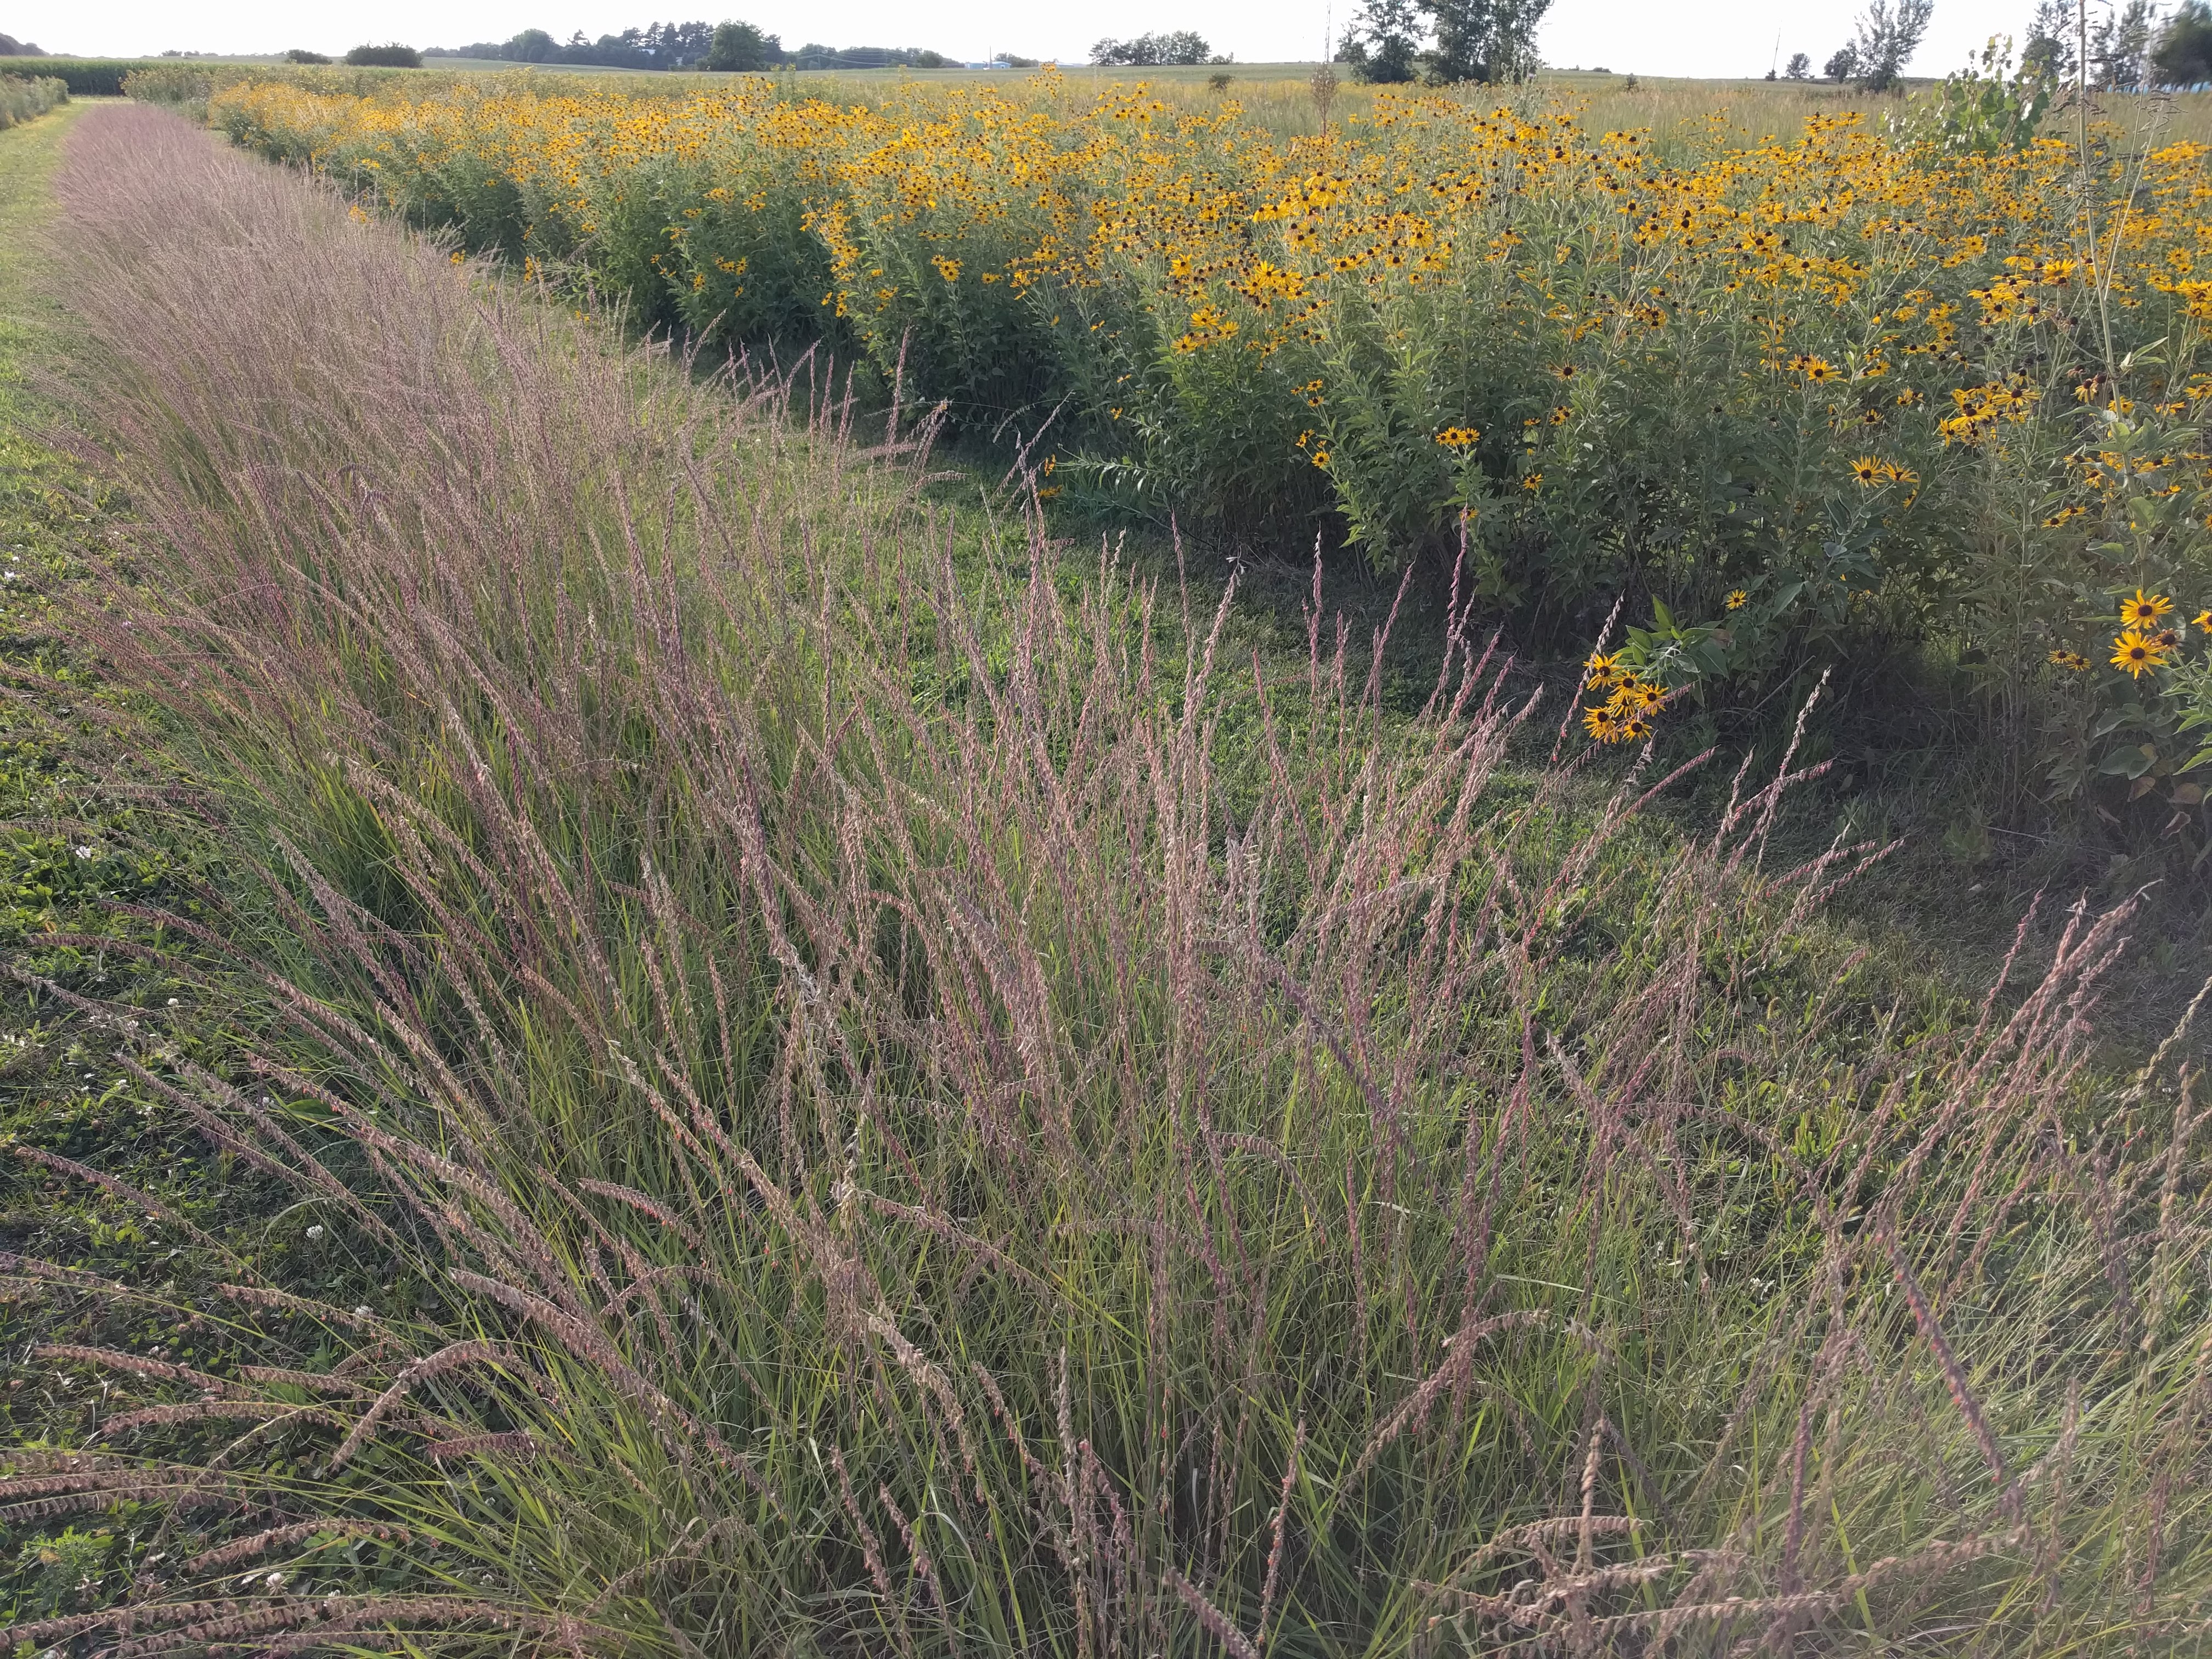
{"points": [[315, 1231]]}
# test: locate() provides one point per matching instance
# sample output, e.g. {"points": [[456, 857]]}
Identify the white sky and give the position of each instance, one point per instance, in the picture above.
{"points": [[1688, 37]]}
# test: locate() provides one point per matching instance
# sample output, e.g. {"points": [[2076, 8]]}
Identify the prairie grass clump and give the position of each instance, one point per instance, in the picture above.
{"points": [[892, 1101]]}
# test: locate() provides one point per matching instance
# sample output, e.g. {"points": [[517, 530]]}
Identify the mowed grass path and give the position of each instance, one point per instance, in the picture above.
{"points": [[29, 315], [85, 825]]}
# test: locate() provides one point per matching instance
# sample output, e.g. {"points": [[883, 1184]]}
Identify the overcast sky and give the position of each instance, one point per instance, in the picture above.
{"points": [[1689, 37]]}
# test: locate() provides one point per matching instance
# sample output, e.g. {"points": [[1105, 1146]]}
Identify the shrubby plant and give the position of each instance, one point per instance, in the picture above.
{"points": [[24, 97], [1987, 107]]}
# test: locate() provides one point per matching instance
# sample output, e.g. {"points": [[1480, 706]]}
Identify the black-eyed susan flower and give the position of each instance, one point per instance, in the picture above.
{"points": [[1602, 672], [1867, 471], [1635, 695], [1457, 437], [2144, 610], [1602, 723], [2074, 661], [1635, 728], [2136, 653], [2202, 620], [1738, 598]]}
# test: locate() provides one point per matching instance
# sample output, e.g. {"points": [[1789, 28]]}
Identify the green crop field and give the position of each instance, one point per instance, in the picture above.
{"points": [[951, 864]]}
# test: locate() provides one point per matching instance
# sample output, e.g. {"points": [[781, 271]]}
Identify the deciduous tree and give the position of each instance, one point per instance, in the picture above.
{"points": [[2050, 41], [1486, 40], [1889, 36], [1386, 37], [391, 55], [2183, 55], [741, 48], [2119, 47]]}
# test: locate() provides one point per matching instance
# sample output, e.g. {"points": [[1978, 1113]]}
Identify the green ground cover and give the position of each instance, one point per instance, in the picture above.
{"points": [[89, 823]]}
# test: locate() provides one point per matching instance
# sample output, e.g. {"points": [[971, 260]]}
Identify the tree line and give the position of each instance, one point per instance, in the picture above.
{"points": [[2129, 46], [1147, 51], [734, 47]]}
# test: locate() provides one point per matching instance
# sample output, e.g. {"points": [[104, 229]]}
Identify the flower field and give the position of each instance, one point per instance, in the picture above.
{"points": [[1796, 393]]}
